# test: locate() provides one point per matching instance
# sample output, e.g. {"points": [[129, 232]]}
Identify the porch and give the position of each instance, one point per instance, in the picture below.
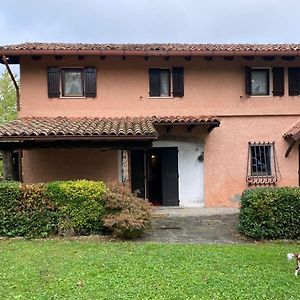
{"points": [[162, 158]]}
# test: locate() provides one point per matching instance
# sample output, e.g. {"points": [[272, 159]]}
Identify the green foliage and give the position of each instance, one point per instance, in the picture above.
{"points": [[8, 108], [270, 213], [70, 208], [80, 205], [9, 201], [130, 215], [24, 211], [38, 216]]}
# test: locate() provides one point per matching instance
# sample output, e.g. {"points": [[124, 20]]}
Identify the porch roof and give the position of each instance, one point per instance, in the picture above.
{"points": [[39, 128], [189, 120]]}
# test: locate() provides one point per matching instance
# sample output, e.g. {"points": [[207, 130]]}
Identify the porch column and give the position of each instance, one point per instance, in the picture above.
{"points": [[7, 165], [125, 170]]}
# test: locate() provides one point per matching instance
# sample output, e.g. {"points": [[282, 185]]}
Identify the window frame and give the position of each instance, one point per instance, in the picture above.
{"points": [[268, 70], [264, 176], [55, 82], [170, 84], [62, 82]]}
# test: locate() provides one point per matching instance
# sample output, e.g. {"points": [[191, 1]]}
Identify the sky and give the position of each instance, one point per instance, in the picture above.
{"points": [[150, 21]]}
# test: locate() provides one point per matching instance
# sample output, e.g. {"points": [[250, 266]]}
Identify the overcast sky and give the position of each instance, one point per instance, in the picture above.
{"points": [[142, 21]]}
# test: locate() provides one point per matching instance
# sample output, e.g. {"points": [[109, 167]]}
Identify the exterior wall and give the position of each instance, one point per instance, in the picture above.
{"points": [[69, 164], [226, 154], [211, 88], [190, 171]]}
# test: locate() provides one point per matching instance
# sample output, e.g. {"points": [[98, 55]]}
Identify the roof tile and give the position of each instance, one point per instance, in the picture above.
{"points": [[152, 48], [78, 127]]}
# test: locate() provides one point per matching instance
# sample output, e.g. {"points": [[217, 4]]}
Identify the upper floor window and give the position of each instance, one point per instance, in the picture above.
{"points": [[164, 83], [264, 81], [72, 82], [262, 163], [294, 81]]}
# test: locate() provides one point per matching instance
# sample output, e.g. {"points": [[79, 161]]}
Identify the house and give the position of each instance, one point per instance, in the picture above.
{"points": [[188, 125]]}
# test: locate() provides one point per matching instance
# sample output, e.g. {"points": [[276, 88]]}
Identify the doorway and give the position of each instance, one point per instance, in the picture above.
{"points": [[154, 174]]}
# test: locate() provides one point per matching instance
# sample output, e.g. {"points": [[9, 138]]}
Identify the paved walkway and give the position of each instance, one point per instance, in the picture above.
{"points": [[194, 225]]}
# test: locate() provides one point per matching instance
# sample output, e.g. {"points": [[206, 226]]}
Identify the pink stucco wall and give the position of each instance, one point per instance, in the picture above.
{"points": [[211, 88], [64, 164], [226, 154]]}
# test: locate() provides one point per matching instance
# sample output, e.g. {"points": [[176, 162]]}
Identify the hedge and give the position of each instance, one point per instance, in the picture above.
{"points": [[71, 208], [80, 205], [270, 213]]}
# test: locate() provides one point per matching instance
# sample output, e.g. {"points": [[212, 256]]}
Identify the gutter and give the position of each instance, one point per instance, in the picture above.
{"points": [[4, 59]]}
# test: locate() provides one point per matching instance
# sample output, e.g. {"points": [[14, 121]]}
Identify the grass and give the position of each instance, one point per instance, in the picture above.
{"points": [[85, 269]]}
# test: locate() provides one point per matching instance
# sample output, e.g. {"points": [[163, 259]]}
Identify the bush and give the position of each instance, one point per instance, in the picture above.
{"points": [[24, 211], [129, 215], [9, 201], [270, 213], [38, 216], [80, 205], [71, 207]]}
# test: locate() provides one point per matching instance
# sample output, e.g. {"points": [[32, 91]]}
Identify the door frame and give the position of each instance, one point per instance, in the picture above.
{"points": [[146, 162]]}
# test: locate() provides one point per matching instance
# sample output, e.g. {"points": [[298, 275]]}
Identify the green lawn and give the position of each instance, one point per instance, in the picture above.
{"points": [[85, 269]]}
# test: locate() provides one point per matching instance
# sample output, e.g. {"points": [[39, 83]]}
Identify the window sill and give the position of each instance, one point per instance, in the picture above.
{"points": [[72, 98], [163, 97]]}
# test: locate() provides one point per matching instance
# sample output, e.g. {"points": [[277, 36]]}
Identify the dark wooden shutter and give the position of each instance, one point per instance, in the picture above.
{"points": [[53, 82], [138, 172], [90, 82], [178, 82], [169, 173], [294, 81], [154, 82], [248, 79], [278, 81]]}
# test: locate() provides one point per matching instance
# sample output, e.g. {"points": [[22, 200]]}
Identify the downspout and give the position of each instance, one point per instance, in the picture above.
{"points": [[4, 59]]}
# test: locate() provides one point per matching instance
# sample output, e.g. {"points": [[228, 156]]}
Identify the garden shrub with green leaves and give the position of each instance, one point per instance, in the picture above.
{"points": [[270, 213], [80, 205], [25, 211], [71, 208], [9, 201]]}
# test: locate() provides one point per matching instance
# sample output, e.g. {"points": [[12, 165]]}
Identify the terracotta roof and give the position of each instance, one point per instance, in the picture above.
{"points": [[143, 127], [185, 119], [75, 127], [151, 49], [293, 132]]}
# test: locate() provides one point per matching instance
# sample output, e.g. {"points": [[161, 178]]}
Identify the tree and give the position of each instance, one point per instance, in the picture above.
{"points": [[8, 106]]}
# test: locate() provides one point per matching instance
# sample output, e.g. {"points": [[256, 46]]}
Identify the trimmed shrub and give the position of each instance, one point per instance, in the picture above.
{"points": [[270, 213], [38, 216], [80, 205], [129, 215], [69, 208], [24, 211], [9, 201]]}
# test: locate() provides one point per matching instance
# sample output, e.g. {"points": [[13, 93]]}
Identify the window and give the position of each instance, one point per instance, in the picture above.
{"points": [[163, 81], [262, 164], [294, 81], [72, 82], [263, 82]]}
